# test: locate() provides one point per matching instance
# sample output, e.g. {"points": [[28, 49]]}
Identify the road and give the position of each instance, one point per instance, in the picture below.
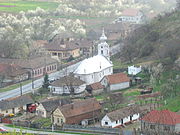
{"points": [[38, 83], [32, 131]]}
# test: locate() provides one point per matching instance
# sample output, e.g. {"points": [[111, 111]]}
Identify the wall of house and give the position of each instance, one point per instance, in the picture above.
{"points": [[119, 86], [177, 128], [40, 111], [65, 89], [21, 77], [157, 127], [58, 117], [132, 70], [75, 53], [14, 111], [106, 122], [96, 92], [133, 19]]}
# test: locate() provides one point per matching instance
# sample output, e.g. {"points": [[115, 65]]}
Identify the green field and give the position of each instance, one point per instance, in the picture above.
{"points": [[23, 5]]}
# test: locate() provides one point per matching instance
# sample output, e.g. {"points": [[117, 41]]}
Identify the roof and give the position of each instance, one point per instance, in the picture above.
{"points": [[95, 64], [80, 107], [130, 12], [122, 113], [156, 94], [117, 78], [96, 86], [162, 117], [11, 70], [15, 102], [50, 105], [69, 81], [35, 62]]}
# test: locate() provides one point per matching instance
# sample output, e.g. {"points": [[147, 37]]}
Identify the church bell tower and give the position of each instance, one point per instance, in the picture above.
{"points": [[103, 47]]}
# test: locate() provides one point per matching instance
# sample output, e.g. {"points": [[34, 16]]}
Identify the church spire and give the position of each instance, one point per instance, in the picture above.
{"points": [[103, 36]]}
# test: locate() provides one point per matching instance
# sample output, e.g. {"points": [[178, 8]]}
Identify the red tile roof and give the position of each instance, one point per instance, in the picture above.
{"points": [[96, 86], [117, 78], [130, 12], [162, 117]]}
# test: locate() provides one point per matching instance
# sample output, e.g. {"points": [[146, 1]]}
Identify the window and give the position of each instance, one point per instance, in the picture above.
{"points": [[116, 122], [152, 126], [6, 111], [122, 121], [106, 123], [101, 51], [57, 120], [61, 120], [101, 46], [167, 128]]}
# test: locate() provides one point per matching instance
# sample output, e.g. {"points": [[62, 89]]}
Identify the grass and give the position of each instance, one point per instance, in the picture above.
{"points": [[133, 93], [117, 64], [14, 86], [20, 5]]}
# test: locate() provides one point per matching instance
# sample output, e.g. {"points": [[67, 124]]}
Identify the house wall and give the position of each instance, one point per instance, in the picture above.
{"points": [[156, 127], [21, 77], [117, 123], [96, 76], [14, 111], [119, 86], [58, 118], [65, 89], [133, 19], [75, 53], [132, 70], [96, 92], [177, 128], [40, 111]]}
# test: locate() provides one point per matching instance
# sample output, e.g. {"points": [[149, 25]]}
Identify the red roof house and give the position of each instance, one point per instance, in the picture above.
{"points": [[116, 81]]}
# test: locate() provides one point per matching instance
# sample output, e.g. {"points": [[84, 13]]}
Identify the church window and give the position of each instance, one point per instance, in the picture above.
{"points": [[102, 47], [106, 123], [101, 51]]}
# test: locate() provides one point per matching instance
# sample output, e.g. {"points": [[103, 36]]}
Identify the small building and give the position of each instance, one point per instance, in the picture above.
{"points": [[132, 16], [163, 122], [76, 112], [68, 85], [120, 117], [116, 82], [15, 105], [132, 70], [45, 108], [95, 88], [12, 73]]}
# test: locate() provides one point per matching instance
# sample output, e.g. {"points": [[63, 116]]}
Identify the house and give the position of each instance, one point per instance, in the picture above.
{"points": [[132, 70], [15, 105], [12, 73], [63, 48], [163, 122], [120, 117], [68, 85], [45, 108], [36, 66], [131, 15], [95, 88], [116, 81], [77, 112], [93, 69]]}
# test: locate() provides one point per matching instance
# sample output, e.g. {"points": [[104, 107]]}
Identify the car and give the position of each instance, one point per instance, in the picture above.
{"points": [[3, 130]]}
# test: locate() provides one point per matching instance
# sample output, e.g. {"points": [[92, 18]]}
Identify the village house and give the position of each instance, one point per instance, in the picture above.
{"points": [[131, 15], [132, 70], [93, 69], [68, 85], [95, 88], [77, 112], [163, 122], [36, 66], [120, 117], [45, 108], [12, 73], [116, 82], [63, 48], [15, 105]]}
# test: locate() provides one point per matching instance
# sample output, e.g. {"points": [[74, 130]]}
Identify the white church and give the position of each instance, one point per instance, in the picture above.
{"points": [[92, 70]]}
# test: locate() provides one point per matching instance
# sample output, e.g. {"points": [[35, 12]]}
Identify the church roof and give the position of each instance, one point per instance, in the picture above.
{"points": [[93, 64]]}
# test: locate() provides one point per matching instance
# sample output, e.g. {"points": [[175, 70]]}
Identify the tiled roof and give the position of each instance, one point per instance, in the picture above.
{"points": [[68, 81], [162, 117], [50, 105], [117, 78], [11, 70], [35, 62], [80, 107], [96, 86], [130, 12], [15, 102]]}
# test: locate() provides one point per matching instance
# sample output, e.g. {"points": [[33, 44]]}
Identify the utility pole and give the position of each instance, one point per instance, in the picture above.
{"points": [[21, 92]]}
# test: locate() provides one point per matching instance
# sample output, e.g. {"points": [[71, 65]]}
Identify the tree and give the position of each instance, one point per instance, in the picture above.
{"points": [[46, 82], [2, 77]]}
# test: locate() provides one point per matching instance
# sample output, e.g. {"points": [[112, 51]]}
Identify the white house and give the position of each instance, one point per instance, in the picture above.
{"points": [[93, 69], [132, 70], [120, 117], [116, 81], [131, 15], [68, 84]]}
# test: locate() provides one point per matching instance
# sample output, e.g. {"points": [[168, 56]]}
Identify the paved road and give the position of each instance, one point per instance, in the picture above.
{"points": [[38, 83], [31, 131]]}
